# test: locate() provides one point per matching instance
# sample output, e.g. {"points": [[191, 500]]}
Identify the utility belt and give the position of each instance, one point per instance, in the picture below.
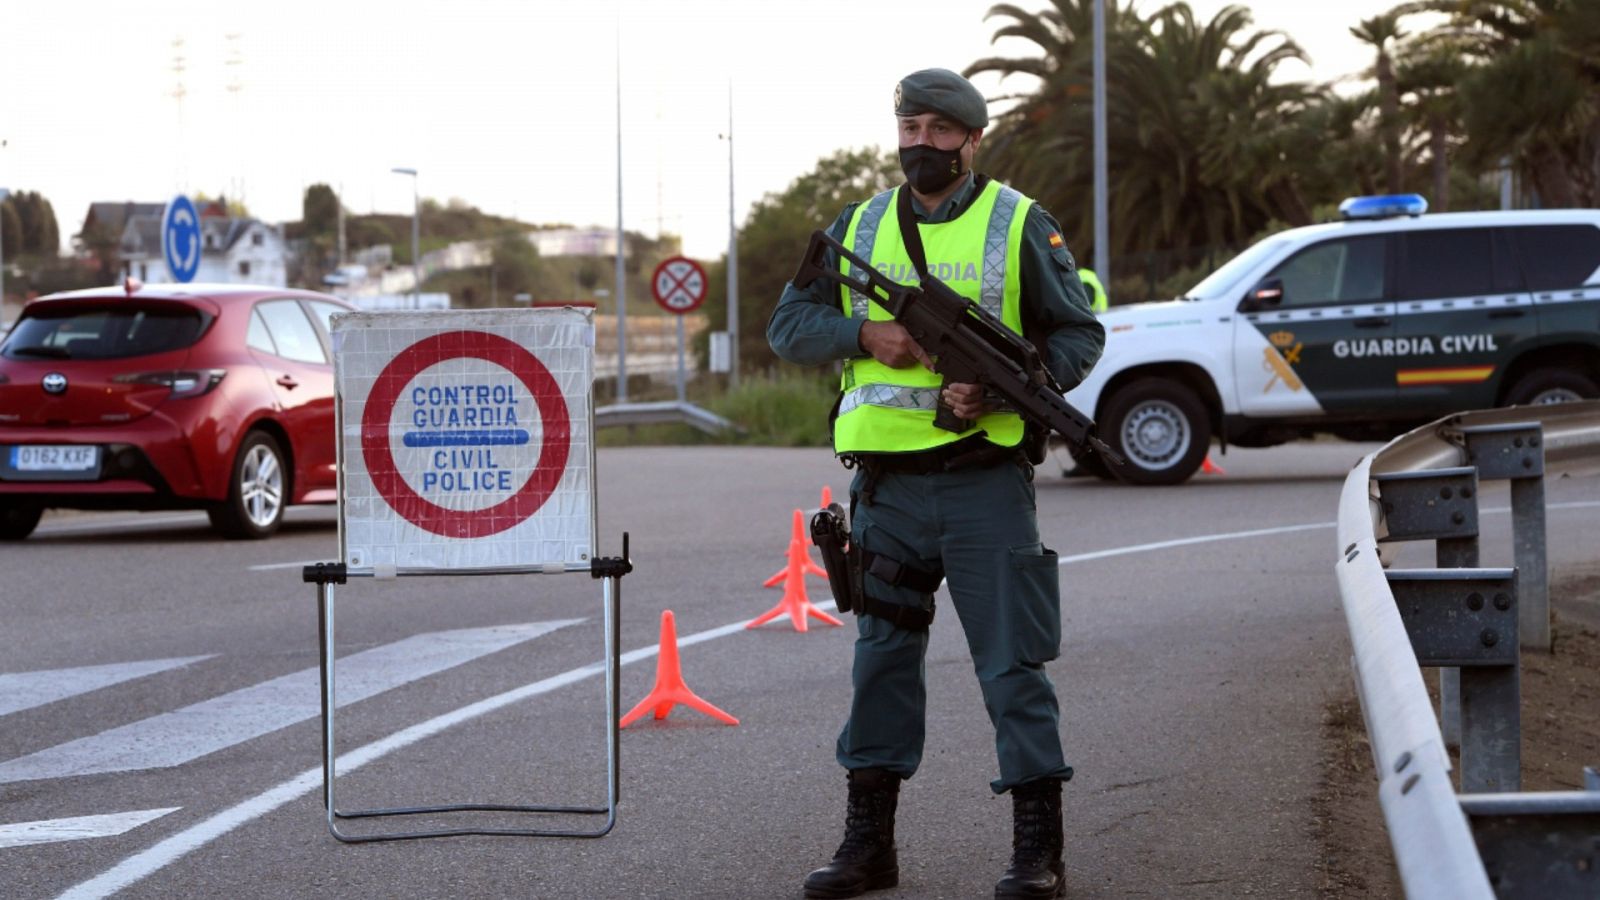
{"points": [[974, 452], [848, 564]]}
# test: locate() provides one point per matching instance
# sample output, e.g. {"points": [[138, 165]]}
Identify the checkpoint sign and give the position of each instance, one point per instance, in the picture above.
{"points": [[465, 438], [679, 285]]}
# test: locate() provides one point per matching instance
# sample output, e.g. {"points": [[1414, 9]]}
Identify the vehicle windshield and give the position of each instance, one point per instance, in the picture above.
{"points": [[95, 332], [1220, 282]]}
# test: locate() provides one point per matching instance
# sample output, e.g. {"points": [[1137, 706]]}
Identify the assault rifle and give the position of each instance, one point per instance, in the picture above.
{"points": [[969, 345]]}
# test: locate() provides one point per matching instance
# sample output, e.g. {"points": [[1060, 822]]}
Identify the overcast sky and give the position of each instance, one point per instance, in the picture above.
{"points": [[510, 106]]}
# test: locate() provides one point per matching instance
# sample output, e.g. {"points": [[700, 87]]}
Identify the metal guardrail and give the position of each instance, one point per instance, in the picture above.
{"points": [[1490, 840]]}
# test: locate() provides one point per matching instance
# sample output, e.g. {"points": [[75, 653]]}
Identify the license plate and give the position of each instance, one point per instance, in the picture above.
{"points": [[55, 458]]}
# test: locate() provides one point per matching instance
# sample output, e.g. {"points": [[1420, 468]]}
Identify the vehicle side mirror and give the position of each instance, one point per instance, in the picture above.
{"points": [[1266, 295]]}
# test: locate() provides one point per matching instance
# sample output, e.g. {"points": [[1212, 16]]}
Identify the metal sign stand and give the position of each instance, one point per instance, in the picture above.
{"points": [[608, 569]]}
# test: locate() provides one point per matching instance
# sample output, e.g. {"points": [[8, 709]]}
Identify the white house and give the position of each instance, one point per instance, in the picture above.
{"points": [[233, 251]]}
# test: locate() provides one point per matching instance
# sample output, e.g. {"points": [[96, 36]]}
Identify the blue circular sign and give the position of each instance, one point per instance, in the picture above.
{"points": [[180, 238]]}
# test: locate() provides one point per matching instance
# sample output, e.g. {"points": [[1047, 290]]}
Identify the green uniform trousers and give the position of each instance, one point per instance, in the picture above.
{"points": [[981, 526]]}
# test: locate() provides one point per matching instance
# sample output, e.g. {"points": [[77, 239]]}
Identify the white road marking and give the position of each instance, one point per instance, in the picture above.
{"points": [[146, 863], [141, 865], [267, 567], [1265, 532], [182, 735], [1184, 542], [50, 831], [25, 690], [123, 523]]}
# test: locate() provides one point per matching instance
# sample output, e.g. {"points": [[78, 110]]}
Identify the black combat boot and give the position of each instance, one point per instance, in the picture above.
{"points": [[1036, 867], [866, 860]]}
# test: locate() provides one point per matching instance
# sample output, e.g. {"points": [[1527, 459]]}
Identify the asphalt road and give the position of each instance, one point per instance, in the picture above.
{"points": [[1202, 639]]}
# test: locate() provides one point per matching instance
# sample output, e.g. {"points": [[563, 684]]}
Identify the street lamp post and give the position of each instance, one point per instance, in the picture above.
{"points": [[416, 249], [733, 261]]}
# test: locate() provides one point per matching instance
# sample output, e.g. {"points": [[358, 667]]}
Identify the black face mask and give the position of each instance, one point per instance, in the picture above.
{"points": [[929, 169]]}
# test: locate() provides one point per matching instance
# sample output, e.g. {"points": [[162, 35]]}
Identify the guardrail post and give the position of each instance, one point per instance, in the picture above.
{"points": [[1538, 845], [1468, 618], [1439, 505], [1516, 451]]}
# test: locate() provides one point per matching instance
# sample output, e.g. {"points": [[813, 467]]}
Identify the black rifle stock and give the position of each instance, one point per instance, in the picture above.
{"points": [[969, 345]]}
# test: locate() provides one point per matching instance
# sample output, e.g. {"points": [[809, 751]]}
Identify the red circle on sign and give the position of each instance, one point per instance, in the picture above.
{"points": [[379, 455], [675, 287]]}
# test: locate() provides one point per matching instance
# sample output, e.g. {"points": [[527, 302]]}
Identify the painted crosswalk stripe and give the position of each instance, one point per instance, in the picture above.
{"points": [[268, 567], [25, 690], [176, 737], [50, 831]]}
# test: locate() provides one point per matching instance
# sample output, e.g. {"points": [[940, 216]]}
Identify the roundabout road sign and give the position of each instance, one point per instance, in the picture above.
{"points": [[679, 285], [180, 238]]}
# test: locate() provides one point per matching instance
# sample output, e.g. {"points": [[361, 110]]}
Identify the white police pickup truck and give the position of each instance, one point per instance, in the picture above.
{"points": [[1361, 328]]}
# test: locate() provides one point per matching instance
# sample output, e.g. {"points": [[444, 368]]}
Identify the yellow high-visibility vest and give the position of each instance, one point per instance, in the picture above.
{"points": [[886, 410], [1099, 301]]}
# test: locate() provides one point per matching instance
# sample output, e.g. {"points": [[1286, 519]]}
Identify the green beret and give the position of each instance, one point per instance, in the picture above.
{"points": [[944, 92]]}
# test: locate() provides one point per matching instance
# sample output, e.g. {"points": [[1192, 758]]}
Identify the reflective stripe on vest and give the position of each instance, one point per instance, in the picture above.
{"points": [[866, 236], [892, 396], [886, 410]]}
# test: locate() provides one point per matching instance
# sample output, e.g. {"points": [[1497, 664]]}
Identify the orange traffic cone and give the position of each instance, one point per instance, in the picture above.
{"points": [[794, 601], [797, 536], [1211, 468], [670, 689]]}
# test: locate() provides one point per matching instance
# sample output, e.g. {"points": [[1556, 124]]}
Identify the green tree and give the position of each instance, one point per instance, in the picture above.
{"points": [[1382, 32], [32, 226], [518, 268], [1429, 76], [1532, 92], [1207, 147], [318, 229], [319, 211], [1043, 145], [775, 235], [10, 231]]}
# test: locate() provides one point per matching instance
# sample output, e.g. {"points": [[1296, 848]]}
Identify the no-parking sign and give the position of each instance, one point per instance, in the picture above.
{"points": [[465, 438], [678, 284]]}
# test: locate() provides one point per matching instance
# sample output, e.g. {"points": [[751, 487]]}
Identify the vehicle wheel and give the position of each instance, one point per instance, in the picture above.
{"points": [[1161, 428], [1551, 386], [17, 521], [257, 491]]}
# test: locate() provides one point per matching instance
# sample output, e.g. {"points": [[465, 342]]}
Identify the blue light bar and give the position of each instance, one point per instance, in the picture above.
{"points": [[1385, 206]]}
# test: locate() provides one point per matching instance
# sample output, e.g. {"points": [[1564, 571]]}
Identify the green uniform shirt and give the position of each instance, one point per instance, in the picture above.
{"points": [[808, 327]]}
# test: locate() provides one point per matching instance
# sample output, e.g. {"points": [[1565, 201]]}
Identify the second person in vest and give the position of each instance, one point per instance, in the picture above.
{"points": [[927, 502]]}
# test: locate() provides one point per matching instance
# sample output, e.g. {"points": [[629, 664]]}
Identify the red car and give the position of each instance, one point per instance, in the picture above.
{"points": [[214, 397]]}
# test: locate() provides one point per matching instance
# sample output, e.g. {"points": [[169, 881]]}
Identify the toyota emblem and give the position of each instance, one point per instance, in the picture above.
{"points": [[54, 383]]}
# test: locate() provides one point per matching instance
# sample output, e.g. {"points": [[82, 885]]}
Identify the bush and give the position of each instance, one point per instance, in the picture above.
{"points": [[788, 408]]}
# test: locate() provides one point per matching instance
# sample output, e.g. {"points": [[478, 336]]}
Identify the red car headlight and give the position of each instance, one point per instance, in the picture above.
{"points": [[183, 382]]}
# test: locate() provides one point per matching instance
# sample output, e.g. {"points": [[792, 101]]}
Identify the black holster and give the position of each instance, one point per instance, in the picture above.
{"points": [[842, 561], [847, 563]]}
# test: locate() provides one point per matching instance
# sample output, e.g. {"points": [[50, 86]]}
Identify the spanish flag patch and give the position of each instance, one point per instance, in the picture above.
{"points": [[1056, 241]]}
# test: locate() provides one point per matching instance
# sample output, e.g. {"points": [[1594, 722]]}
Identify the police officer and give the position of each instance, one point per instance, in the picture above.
{"points": [[1099, 302], [927, 503]]}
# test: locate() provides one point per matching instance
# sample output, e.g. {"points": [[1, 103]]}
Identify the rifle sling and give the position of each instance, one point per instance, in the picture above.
{"points": [[909, 235]]}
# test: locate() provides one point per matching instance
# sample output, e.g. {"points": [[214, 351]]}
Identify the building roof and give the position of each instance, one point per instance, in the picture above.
{"points": [[114, 216], [141, 236]]}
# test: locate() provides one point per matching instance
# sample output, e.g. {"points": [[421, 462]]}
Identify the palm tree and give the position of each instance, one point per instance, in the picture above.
{"points": [[1430, 75], [1532, 92], [1199, 136], [1380, 31], [1028, 145]]}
